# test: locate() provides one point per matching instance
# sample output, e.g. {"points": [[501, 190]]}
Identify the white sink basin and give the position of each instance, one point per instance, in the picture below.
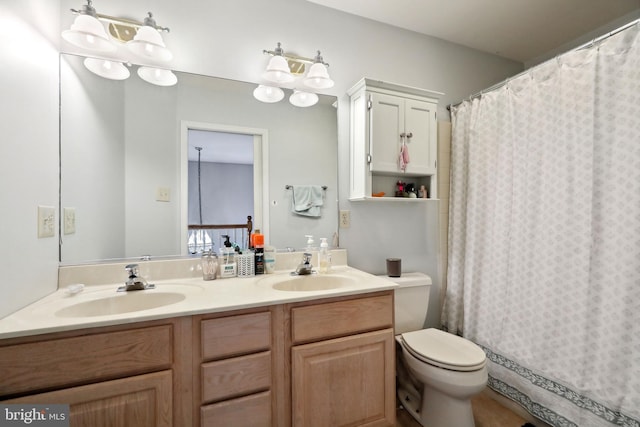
{"points": [[124, 302], [312, 282]]}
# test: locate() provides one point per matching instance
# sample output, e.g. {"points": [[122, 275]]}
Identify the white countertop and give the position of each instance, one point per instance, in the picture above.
{"points": [[44, 316]]}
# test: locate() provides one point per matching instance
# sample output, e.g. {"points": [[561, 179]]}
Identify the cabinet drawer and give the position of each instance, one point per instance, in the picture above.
{"points": [[254, 411], [341, 318], [62, 362], [228, 378], [234, 335]]}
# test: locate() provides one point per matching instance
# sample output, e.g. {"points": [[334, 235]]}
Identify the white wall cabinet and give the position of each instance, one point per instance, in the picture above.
{"points": [[384, 116]]}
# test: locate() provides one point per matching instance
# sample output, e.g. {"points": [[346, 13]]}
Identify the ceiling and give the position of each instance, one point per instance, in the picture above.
{"points": [[521, 30], [220, 147]]}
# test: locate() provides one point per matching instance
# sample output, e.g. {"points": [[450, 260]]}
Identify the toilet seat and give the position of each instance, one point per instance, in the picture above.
{"points": [[444, 350]]}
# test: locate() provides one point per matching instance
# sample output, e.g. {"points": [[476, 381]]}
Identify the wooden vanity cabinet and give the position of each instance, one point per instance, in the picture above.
{"points": [[343, 363], [115, 376], [326, 362]]}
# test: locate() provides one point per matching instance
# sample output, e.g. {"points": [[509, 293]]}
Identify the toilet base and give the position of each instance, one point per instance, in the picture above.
{"points": [[434, 409], [411, 403]]}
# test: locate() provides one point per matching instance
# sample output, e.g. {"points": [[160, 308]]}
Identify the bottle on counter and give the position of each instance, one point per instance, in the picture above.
{"points": [[269, 259], [258, 249], [324, 257], [228, 266], [209, 265]]}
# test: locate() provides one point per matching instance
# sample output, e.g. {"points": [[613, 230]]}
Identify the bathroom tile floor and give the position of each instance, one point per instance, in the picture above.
{"points": [[486, 413]]}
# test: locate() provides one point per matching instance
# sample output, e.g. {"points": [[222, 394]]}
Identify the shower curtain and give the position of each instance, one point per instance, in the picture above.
{"points": [[544, 234]]}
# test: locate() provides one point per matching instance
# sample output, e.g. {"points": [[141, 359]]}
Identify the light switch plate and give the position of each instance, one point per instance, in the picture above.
{"points": [[46, 221], [69, 215], [163, 194], [345, 219]]}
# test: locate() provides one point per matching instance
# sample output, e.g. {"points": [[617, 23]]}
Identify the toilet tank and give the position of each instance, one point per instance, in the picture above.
{"points": [[411, 301]]}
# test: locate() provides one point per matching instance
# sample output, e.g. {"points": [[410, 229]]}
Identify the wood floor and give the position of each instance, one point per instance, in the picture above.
{"points": [[486, 413]]}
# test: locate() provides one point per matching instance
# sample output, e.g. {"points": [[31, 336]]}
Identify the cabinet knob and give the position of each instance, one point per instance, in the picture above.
{"points": [[410, 135]]}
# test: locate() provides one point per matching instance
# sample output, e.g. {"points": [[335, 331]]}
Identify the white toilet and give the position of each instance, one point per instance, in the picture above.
{"points": [[437, 372]]}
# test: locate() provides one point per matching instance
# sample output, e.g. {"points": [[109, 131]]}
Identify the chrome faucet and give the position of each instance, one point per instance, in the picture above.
{"points": [[305, 267], [134, 282]]}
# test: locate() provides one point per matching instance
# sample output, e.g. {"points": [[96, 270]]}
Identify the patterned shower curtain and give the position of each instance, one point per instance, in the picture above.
{"points": [[544, 234]]}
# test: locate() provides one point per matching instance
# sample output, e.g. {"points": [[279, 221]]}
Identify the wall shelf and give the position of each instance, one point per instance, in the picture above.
{"points": [[391, 199]]}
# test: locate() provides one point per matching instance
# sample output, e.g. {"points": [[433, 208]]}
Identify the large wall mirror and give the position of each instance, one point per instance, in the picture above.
{"points": [[124, 161]]}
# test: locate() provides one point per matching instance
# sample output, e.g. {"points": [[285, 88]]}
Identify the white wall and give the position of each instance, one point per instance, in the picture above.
{"points": [[28, 149], [224, 39], [226, 193]]}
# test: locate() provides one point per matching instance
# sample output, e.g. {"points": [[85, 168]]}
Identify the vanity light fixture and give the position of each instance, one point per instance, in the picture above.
{"points": [[284, 68], [278, 70], [318, 75], [142, 39], [148, 43], [87, 31]]}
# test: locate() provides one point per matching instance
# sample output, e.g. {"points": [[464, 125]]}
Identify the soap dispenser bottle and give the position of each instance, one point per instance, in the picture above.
{"points": [[228, 266], [324, 256], [309, 247]]}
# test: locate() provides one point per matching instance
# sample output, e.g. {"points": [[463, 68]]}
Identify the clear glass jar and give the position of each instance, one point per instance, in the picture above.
{"points": [[209, 266]]}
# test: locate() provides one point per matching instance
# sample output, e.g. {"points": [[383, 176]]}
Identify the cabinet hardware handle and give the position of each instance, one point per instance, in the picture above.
{"points": [[410, 135], [368, 158]]}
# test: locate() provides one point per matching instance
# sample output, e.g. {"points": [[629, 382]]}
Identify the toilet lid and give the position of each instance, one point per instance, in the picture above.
{"points": [[443, 349]]}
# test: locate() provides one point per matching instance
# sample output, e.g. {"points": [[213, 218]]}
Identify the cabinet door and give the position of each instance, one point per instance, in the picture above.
{"points": [[420, 123], [387, 123], [140, 401], [393, 116], [345, 382]]}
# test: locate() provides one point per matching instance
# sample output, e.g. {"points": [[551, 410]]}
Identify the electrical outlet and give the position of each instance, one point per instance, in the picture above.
{"points": [[69, 215], [163, 194], [46, 221], [345, 219]]}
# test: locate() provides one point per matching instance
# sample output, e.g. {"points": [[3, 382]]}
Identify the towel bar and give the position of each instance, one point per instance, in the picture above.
{"points": [[289, 187]]}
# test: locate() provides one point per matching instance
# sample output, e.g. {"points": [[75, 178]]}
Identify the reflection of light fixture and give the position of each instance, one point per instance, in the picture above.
{"points": [[157, 76], [147, 43], [303, 99], [318, 76], [283, 68], [107, 69], [87, 32], [278, 70], [268, 94]]}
